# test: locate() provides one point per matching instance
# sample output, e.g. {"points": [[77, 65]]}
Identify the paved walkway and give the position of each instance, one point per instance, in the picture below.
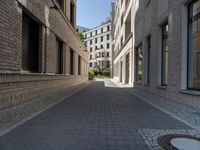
{"points": [[99, 117]]}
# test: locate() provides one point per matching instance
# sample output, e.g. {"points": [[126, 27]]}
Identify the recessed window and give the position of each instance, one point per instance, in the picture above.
{"points": [[96, 40], [108, 37], [164, 73], [90, 42], [72, 12], [96, 32], [108, 64], [102, 39], [194, 46], [108, 28], [102, 54], [139, 63], [59, 56], [90, 49], [122, 20], [71, 62], [121, 41], [101, 46], [90, 64], [90, 56], [30, 44], [108, 54], [79, 65], [148, 59], [101, 30], [108, 45], [61, 3]]}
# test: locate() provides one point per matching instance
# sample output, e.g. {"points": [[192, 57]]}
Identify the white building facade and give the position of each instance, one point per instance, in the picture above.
{"points": [[123, 41], [98, 43]]}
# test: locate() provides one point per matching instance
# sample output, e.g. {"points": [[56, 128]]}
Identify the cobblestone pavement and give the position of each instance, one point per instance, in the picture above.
{"points": [[99, 117], [184, 113]]}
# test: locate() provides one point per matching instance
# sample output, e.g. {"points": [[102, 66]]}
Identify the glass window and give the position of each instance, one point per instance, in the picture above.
{"points": [[194, 46], [72, 13], [61, 3], [165, 30], [108, 37], [139, 63], [108, 54], [108, 45], [148, 59], [108, 28], [30, 44], [102, 39]]}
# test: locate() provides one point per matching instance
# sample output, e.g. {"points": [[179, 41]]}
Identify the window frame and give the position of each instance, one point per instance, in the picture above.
{"points": [[136, 59], [190, 21], [149, 46], [163, 67]]}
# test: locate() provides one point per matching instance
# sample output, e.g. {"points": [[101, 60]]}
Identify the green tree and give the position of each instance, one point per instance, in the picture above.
{"points": [[81, 36]]}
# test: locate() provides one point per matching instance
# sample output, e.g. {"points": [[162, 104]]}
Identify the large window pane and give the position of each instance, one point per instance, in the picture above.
{"points": [[165, 30], [194, 46], [139, 63]]}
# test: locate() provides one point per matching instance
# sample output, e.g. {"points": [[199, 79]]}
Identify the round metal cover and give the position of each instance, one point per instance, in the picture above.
{"points": [[179, 142]]}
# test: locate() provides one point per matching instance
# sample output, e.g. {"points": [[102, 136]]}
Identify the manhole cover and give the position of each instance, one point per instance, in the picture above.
{"points": [[185, 144], [179, 142]]}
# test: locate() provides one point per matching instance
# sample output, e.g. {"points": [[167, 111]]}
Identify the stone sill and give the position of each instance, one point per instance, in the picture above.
{"points": [[190, 92]]}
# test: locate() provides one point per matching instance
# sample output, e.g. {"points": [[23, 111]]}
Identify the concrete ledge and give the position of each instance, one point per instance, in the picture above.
{"points": [[191, 92]]}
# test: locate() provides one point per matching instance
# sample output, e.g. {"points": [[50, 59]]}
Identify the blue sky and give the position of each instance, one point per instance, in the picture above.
{"points": [[91, 13]]}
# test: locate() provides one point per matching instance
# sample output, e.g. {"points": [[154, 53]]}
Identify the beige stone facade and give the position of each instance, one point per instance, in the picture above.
{"points": [[40, 52], [161, 47], [122, 42]]}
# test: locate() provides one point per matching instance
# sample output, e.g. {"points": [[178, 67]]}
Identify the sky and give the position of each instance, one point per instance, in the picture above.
{"points": [[91, 13]]}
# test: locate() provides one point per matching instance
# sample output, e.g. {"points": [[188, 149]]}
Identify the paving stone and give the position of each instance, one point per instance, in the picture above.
{"points": [[96, 117]]}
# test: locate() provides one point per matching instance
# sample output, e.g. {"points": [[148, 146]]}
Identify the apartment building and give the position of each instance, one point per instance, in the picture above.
{"points": [[165, 49], [81, 29], [40, 52], [122, 41], [98, 43]]}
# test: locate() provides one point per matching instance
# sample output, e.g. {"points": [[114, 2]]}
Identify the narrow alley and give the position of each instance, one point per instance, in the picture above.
{"points": [[101, 116]]}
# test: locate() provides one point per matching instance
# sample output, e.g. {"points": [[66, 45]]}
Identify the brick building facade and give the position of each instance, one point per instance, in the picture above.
{"points": [[40, 52], [165, 49]]}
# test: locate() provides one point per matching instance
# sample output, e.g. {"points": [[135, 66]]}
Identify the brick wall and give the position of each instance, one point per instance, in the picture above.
{"points": [[18, 86]]}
